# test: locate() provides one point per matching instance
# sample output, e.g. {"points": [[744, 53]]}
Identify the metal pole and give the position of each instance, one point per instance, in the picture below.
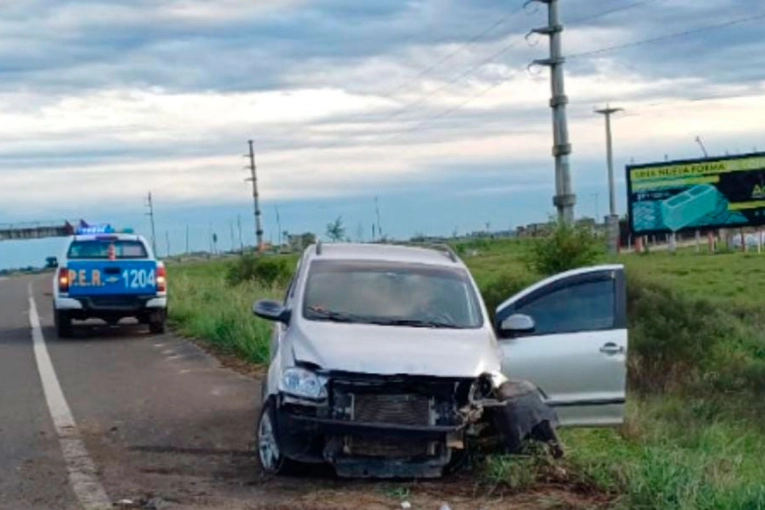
{"points": [[167, 240], [150, 204], [564, 200], [377, 212], [279, 225], [239, 225], [233, 240], [613, 217], [254, 179], [187, 239], [703, 148]]}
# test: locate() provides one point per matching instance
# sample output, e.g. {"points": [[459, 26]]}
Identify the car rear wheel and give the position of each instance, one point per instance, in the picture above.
{"points": [[269, 448], [63, 324]]}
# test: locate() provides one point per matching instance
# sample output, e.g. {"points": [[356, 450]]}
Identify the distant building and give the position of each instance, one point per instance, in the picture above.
{"points": [[299, 242]]}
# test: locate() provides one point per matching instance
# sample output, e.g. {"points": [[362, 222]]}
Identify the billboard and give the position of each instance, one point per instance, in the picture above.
{"points": [[672, 196]]}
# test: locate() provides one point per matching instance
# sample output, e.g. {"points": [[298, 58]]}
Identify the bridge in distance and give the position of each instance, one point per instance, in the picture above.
{"points": [[38, 230]]}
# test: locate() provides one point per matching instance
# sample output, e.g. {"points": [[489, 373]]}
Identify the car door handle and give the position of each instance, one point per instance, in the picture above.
{"points": [[612, 349]]}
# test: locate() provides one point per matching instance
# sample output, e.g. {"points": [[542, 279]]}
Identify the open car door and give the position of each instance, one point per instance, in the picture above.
{"points": [[574, 348]]}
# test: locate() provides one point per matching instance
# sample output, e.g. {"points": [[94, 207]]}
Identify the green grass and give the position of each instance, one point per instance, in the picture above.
{"points": [[695, 436], [204, 306]]}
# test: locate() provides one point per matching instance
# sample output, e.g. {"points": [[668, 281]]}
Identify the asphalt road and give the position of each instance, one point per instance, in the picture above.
{"points": [[158, 416]]}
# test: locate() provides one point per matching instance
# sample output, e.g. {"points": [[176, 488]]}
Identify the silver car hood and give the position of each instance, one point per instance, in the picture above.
{"points": [[394, 350]]}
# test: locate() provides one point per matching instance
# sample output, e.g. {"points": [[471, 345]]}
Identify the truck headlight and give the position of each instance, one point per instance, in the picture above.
{"points": [[302, 383]]}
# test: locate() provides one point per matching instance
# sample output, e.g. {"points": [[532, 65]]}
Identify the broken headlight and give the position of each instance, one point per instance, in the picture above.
{"points": [[302, 383]]}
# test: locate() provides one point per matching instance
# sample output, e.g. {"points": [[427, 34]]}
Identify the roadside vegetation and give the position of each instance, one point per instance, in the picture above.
{"points": [[695, 437]]}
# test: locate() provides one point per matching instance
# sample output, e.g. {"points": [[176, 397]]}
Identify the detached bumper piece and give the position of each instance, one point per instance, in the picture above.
{"points": [[526, 416]]}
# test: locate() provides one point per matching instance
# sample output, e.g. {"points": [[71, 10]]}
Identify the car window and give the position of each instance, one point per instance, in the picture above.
{"points": [[382, 292], [101, 249], [586, 306]]}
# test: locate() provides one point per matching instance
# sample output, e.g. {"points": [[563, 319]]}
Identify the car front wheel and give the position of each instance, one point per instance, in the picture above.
{"points": [[269, 448]]}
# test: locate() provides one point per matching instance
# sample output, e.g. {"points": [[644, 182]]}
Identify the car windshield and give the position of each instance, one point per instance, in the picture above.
{"points": [[391, 294], [100, 249]]}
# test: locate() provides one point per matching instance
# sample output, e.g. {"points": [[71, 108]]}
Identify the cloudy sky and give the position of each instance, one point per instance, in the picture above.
{"points": [[428, 104]]}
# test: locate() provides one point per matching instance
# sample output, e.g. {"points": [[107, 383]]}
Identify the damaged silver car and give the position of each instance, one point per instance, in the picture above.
{"points": [[384, 362]]}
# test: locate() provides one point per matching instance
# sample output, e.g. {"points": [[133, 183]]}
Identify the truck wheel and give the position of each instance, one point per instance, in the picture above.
{"points": [[63, 324], [269, 448], [156, 320], [157, 326]]}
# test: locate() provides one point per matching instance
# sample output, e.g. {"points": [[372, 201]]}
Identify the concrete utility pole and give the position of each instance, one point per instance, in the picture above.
{"points": [[377, 212], [187, 239], [613, 218], [279, 225], [256, 205], [150, 214], [239, 226], [564, 199], [167, 240]]}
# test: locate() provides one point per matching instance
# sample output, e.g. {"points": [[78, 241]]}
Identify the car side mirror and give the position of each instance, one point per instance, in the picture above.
{"points": [[271, 311], [517, 324]]}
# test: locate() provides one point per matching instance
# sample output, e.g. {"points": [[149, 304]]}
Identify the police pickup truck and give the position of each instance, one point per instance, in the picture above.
{"points": [[109, 275]]}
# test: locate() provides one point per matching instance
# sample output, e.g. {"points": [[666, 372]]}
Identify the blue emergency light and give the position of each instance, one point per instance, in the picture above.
{"points": [[93, 230]]}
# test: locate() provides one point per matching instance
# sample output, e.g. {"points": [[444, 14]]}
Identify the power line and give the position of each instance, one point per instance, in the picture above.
{"points": [[459, 50], [423, 98], [425, 71], [675, 35], [486, 90], [611, 11]]}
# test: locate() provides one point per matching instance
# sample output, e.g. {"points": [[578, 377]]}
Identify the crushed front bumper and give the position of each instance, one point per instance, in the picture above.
{"points": [[377, 428]]}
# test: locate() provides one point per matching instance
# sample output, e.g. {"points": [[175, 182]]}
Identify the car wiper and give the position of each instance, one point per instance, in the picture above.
{"points": [[417, 323], [318, 313]]}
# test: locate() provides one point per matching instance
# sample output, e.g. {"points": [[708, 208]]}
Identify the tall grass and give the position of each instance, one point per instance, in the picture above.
{"points": [[204, 306]]}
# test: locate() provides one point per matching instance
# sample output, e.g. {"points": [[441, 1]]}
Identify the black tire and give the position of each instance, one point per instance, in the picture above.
{"points": [[157, 327], [269, 457], [157, 322], [63, 324]]}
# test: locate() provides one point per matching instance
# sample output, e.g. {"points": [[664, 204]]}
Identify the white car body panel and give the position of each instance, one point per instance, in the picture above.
{"points": [[582, 373]]}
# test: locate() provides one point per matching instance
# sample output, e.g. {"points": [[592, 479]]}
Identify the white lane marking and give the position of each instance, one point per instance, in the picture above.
{"points": [[82, 471], [171, 358]]}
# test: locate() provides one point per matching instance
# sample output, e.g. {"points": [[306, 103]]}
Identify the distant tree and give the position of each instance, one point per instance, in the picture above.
{"points": [[336, 230]]}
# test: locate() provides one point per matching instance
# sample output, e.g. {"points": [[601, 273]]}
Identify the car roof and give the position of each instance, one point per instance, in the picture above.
{"points": [[429, 255]]}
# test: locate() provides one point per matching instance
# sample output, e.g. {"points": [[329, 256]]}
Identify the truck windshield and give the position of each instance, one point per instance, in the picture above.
{"points": [[100, 249], [391, 294]]}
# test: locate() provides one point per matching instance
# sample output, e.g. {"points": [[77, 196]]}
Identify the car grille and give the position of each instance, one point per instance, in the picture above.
{"points": [[387, 448], [409, 409]]}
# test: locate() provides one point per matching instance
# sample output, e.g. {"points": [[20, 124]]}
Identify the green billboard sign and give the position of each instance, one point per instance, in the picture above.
{"points": [[695, 194]]}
